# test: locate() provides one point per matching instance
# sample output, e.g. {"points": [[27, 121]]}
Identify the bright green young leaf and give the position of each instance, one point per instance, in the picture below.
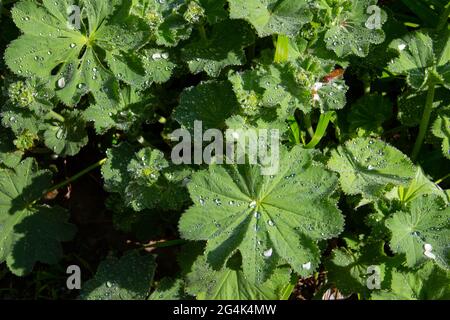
{"points": [[230, 283], [428, 283], [422, 231], [220, 49], [165, 19], [357, 26], [272, 16], [75, 62], [369, 167], [29, 232], [211, 102], [127, 278], [266, 218], [144, 180]]}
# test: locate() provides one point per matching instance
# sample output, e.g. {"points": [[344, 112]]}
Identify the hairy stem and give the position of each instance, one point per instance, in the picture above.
{"points": [[56, 116], [77, 176], [425, 121]]}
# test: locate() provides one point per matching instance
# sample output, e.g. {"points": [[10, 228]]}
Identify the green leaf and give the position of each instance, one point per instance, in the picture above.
{"points": [[68, 137], [369, 167], [211, 102], [127, 278], [427, 283], [418, 56], [169, 289], [144, 180], [368, 114], [9, 155], [164, 19], [349, 33], [231, 284], [423, 223], [272, 16], [29, 232], [441, 129], [134, 109], [71, 60], [264, 217], [220, 50], [348, 268]]}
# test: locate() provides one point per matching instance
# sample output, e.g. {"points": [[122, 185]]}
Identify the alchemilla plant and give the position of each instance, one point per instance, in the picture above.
{"points": [[137, 138]]}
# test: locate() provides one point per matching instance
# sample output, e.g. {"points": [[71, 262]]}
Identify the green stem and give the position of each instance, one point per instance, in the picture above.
{"points": [[367, 84], [282, 49], [308, 125], [425, 121], [202, 31], [77, 176], [444, 18], [166, 244], [442, 179], [56, 116]]}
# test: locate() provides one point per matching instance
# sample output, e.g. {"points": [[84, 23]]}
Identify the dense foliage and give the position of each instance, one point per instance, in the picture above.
{"points": [[359, 90]]}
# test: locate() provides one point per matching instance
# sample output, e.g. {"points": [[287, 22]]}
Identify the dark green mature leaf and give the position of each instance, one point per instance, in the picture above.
{"points": [[264, 217], [348, 269], [127, 278], [220, 49], [272, 16], [29, 232], [169, 289], [370, 167], [9, 155], [368, 114], [49, 43], [427, 283], [441, 129], [68, 137], [231, 284], [423, 224], [211, 102]]}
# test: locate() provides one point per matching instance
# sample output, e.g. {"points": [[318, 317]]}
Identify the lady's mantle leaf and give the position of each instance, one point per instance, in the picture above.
{"points": [[441, 129], [210, 102], [418, 55], [29, 232], [264, 217], [70, 60], [220, 49], [368, 114], [272, 16], [369, 167], [127, 278], [425, 223], [349, 33], [427, 283], [231, 284], [144, 179], [68, 137]]}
